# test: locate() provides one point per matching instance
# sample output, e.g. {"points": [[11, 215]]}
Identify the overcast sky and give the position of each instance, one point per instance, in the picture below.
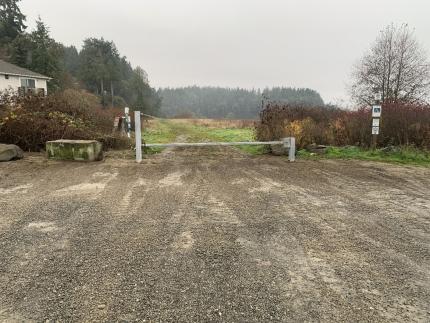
{"points": [[235, 43]]}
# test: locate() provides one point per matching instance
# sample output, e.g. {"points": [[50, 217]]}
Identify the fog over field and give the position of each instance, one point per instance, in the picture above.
{"points": [[252, 43]]}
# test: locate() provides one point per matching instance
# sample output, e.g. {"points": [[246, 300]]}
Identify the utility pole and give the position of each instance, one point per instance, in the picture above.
{"points": [[376, 117]]}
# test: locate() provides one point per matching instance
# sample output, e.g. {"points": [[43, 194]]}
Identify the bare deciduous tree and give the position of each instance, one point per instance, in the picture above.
{"points": [[396, 66]]}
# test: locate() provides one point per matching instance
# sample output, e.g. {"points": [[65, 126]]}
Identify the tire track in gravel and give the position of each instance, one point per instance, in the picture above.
{"points": [[215, 235], [296, 205]]}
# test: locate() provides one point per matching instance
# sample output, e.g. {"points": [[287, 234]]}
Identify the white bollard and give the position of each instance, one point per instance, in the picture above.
{"points": [[138, 135], [290, 143], [292, 150]]}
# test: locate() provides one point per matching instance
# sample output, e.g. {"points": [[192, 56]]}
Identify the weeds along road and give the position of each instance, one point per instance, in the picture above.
{"points": [[201, 235]]}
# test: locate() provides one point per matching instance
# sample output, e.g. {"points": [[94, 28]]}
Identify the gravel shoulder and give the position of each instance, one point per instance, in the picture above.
{"points": [[213, 235]]}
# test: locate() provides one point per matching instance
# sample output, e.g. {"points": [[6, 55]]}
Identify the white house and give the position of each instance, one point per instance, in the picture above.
{"points": [[21, 80]]}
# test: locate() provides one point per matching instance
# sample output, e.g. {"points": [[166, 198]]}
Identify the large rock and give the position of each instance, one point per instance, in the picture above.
{"points": [[81, 150], [390, 149], [279, 150], [10, 152], [317, 149]]}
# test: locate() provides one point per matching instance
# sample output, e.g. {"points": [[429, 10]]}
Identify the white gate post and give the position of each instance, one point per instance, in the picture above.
{"points": [[138, 135], [292, 150], [290, 143]]}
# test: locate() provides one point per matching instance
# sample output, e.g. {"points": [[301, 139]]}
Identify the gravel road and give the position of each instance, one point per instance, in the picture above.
{"points": [[213, 235]]}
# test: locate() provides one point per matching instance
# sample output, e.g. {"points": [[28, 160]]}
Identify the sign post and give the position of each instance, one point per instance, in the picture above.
{"points": [[376, 117]]}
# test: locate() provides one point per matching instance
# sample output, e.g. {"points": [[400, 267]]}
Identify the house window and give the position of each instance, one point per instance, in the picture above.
{"points": [[6, 76], [28, 83]]}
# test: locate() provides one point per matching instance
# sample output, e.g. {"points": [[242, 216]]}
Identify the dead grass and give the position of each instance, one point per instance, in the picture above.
{"points": [[217, 123]]}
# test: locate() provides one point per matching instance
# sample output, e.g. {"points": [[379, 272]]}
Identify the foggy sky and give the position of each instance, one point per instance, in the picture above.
{"points": [[247, 43]]}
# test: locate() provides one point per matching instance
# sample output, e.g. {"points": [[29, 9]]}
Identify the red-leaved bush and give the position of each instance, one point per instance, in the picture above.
{"points": [[401, 124]]}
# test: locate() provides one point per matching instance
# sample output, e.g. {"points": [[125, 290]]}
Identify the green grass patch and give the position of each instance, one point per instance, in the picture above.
{"points": [[399, 155], [164, 131]]}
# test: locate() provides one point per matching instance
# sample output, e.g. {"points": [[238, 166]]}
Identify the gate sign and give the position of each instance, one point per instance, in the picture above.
{"points": [[375, 122], [375, 130], [376, 111]]}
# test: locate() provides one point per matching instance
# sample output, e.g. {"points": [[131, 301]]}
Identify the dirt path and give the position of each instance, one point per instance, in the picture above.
{"points": [[214, 235]]}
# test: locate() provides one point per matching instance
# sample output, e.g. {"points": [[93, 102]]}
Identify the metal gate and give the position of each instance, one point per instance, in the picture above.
{"points": [[289, 142]]}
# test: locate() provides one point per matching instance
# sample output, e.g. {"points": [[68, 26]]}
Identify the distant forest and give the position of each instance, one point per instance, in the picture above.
{"points": [[217, 102]]}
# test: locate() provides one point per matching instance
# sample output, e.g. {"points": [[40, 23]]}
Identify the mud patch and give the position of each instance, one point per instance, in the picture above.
{"points": [[267, 185], [173, 179], [42, 226], [17, 189], [83, 188], [88, 187], [217, 211], [185, 241], [239, 181]]}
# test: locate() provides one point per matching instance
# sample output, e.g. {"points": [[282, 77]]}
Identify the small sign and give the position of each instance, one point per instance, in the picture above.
{"points": [[376, 111], [126, 110], [375, 130], [378, 96], [375, 122]]}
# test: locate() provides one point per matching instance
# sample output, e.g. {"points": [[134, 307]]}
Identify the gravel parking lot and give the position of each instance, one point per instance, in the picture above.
{"points": [[213, 235]]}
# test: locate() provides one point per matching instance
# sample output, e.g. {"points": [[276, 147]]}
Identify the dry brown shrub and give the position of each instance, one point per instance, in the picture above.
{"points": [[401, 124], [32, 120], [218, 123]]}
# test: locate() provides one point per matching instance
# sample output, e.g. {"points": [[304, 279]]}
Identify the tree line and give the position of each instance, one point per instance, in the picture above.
{"points": [[396, 66], [232, 103], [98, 67]]}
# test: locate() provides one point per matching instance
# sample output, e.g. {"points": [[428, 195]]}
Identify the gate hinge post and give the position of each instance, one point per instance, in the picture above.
{"points": [[138, 136], [290, 143]]}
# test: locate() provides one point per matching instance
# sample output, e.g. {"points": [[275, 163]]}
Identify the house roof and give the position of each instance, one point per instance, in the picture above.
{"points": [[11, 69]]}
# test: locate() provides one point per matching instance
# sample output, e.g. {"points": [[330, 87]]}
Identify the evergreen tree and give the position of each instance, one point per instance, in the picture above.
{"points": [[70, 60], [40, 53], [11, 21], [99, 65], [215, 102]]}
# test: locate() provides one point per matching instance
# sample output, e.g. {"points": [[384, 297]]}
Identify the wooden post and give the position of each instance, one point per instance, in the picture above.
{"points": [[374, 141]]}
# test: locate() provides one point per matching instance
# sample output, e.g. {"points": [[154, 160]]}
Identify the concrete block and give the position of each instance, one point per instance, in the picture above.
{"points": [[80, 150]]}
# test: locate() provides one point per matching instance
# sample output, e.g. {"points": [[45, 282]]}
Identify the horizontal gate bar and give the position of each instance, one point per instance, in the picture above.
{"points": [[202, 144], [289, 142]]}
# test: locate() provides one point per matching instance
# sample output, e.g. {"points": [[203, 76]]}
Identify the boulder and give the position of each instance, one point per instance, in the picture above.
{"points": [[317, 149], [279, 150], [390, 149], [10, 152], [80, 150]]}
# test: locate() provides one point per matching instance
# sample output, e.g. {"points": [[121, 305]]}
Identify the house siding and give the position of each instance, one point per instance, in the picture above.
{"points": [[14, 82]]}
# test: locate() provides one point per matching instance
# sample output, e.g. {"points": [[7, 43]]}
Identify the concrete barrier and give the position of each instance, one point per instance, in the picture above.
{"points": [[80, 150]]}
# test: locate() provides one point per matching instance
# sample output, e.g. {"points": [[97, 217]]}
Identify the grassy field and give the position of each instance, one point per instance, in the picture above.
{"points": [[402, 155], [203, 130], [200, 130]]}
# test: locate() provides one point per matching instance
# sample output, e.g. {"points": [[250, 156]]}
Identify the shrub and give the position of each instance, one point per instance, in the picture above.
{"points": [[307, 124], [32, 120], [401, 125]]}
